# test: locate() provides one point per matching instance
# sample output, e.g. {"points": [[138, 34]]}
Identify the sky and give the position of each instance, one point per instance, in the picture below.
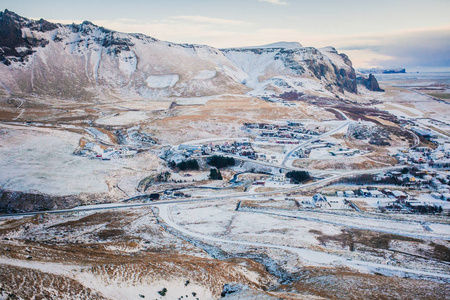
{"points": [[414, 34]]}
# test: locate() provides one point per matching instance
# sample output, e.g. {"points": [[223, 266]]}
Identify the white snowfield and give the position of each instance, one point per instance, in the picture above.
{"points": [[205, 74], [22, 149], [162, 81], [117, 288], [129, 117], [309, 257]]}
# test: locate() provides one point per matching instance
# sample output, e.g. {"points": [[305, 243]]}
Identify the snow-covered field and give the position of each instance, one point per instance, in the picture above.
{"points": [[127, 118], [304, 236], [41, 159]]}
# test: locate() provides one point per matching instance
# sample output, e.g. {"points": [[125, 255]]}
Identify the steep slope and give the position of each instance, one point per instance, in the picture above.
{"points": [[89, 62], [290, 67], [86, 61]]}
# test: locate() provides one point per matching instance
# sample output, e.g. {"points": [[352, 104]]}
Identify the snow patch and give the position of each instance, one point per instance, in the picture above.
{"points": [[162, 81], [283, 45], [127, 62], [205, 74], [127, 118]]}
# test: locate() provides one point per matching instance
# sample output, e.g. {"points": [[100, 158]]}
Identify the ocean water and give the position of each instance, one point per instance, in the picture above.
{"points": [[438, 77]]}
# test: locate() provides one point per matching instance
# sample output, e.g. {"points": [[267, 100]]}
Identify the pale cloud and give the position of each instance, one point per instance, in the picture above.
{"points": [[276, 2], [423, 47], [414, 47], [66, 21], [208, 20]]}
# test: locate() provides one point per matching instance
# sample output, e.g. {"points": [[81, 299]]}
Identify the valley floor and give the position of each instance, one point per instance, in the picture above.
{"points": [[96, 206]]}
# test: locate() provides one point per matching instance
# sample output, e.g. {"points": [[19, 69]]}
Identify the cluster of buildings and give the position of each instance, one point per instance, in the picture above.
{"points": [[241, 148], [397, 200], [438, 158], [93, 150], [335, 149], [290, 133]]}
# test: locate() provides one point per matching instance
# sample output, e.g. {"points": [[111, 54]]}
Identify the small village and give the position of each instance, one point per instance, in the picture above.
{"points": [[419, 186]]}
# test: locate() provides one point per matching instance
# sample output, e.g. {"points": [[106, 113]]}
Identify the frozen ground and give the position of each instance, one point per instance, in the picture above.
{"points": [[118, 254], [127, 118], [42, 159], [221, 224]]}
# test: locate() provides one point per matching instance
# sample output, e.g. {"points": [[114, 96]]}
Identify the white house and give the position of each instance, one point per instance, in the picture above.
{"points": [[377, 194], [279, 177], [320, 201], [349, 194]]}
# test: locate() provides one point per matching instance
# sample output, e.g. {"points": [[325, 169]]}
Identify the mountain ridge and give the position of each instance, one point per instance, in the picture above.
{"points": [[89, 61]]}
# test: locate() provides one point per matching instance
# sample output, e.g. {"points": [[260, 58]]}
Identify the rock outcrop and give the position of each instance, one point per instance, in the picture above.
{"points": [[370, 83]]}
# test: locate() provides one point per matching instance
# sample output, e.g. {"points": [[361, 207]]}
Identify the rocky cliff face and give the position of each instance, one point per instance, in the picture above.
{"points": [[85, 61], [370, 83], [272, 68], [15, 46]]}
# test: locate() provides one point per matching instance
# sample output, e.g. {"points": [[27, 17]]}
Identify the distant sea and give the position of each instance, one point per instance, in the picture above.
{"points": [[442, 77]]}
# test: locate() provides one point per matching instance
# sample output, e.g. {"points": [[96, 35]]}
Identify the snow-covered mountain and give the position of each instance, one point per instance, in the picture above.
{"points": [[86, 61], [290, 67]]}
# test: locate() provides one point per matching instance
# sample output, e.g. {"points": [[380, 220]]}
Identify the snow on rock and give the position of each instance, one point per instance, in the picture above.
{"points": [[162, 81], [105, 62], [127, 62], [284, 45], [206, 74], [334, 56]]}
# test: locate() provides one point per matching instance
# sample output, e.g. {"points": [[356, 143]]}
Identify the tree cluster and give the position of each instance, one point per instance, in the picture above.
{"points": [[298, 176], [190, 164], [163, 177], [367, 179], [221, 161]]}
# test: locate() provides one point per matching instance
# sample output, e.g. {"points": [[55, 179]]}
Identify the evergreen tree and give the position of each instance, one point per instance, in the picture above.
{"points": [[214, 174]]}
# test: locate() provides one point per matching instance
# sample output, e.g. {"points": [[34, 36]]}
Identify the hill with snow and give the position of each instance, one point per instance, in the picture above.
{"points": [[85, 61]]}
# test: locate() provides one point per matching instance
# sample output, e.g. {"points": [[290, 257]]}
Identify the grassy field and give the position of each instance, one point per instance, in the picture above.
{"points": [[443, 96]]}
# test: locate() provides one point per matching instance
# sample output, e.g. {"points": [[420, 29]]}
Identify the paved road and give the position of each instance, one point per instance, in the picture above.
{"points": [[289, 153], [230, 196]]}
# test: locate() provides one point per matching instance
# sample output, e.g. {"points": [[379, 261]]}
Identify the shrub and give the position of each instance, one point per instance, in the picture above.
{"points": [[162, 292], [163, 177]]}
